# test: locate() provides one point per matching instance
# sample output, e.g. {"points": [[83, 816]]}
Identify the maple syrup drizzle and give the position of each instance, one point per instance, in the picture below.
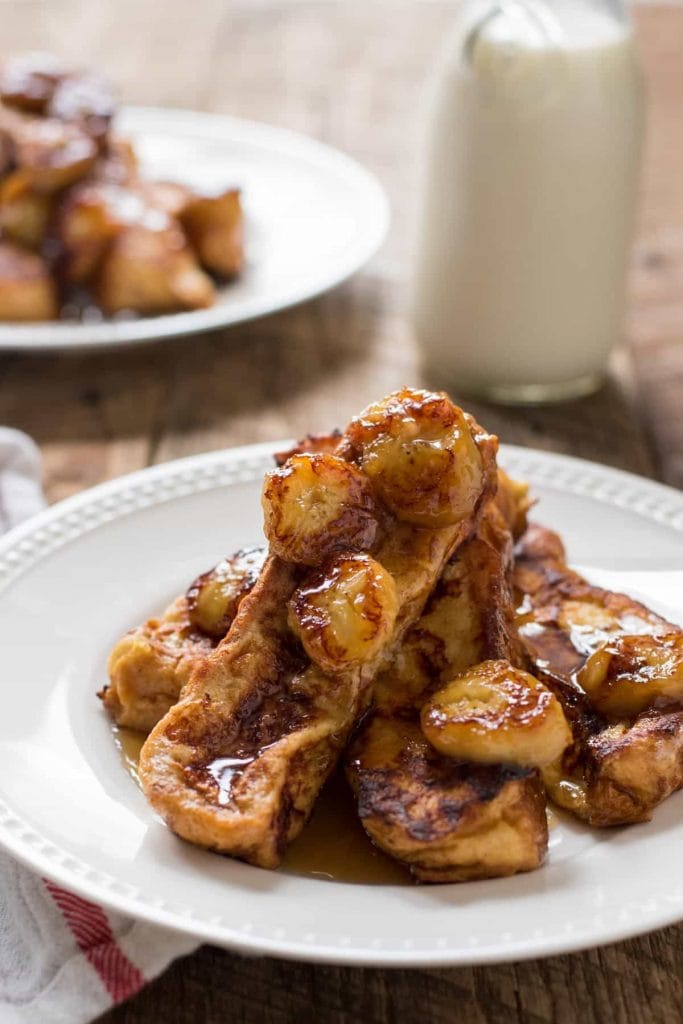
{"points": [[225, 771], [333, 846]]}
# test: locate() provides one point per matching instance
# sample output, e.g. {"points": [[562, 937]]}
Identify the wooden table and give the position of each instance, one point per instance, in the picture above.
{"points": [[349, 73]]}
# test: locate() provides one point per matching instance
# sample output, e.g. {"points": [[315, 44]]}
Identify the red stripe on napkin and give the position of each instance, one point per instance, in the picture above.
{"points": [[95, 939]]}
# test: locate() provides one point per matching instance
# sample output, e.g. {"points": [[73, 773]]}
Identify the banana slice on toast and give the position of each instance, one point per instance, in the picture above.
{"points": [[449, 819], [617, 668], [237, 763], [150, 665]]}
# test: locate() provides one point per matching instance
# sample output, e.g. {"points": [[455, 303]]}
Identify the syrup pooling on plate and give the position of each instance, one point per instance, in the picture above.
{"points": [[129, 744], [332, 847]]}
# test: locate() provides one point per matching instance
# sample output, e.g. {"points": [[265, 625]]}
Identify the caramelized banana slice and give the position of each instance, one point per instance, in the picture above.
{"points": [[497, 714], [310, 443], [630, 674], [418, 450], [344, 615], [237, 763], [316, 506], [214, 597]]}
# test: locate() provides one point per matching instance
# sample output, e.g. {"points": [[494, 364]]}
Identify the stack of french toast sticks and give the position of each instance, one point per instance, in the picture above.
{"points": [[80, 225], [406, 621]]}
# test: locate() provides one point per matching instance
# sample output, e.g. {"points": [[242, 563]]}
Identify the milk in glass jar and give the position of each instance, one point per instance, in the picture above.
{"points": [[528, 196]]}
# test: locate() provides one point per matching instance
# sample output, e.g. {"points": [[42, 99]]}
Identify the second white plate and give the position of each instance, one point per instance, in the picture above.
{"points": [[313, 217], [76, 577]]}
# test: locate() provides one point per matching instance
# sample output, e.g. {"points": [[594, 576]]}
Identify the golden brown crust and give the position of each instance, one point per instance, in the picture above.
{"points": [[449, 820], [213, 223], [123, 241], [238, 762], [149, 666], [486, 822], [563, 618], [203, 749], [615, 773], [469, 617], [631, 768], [513, 503], [310, 443]]}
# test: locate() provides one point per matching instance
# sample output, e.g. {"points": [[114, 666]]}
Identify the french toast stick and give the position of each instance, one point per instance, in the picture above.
{"points": [[620, 765], [150, 664], [449, 820], [357, 542]]}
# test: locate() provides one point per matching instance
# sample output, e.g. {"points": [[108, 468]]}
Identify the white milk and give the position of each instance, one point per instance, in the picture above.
{"points": [[529, 192]]}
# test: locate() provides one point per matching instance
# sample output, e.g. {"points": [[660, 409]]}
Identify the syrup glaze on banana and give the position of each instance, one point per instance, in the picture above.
{"points": [[617, 669], [449, 813], [354, 554]]}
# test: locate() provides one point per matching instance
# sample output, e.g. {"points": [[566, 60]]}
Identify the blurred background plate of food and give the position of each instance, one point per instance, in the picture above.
{"points": [[150, 223]]}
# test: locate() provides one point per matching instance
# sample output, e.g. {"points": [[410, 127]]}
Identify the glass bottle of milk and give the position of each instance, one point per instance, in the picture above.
{"points": [[528, 196]]}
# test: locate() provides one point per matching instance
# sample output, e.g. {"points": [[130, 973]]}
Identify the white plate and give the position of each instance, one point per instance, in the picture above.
{"points": [[313, 217], [76, 577]]}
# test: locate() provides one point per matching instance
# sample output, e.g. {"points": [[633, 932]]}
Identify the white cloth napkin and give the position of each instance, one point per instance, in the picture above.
{"points": [[63, 960]]}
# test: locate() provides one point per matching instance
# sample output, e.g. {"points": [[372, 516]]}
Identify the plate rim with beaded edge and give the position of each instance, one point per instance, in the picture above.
{"points": [[69, 810]]}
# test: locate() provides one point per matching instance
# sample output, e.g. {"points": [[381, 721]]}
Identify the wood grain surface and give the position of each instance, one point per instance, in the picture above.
{"points": [[350, 74]]}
